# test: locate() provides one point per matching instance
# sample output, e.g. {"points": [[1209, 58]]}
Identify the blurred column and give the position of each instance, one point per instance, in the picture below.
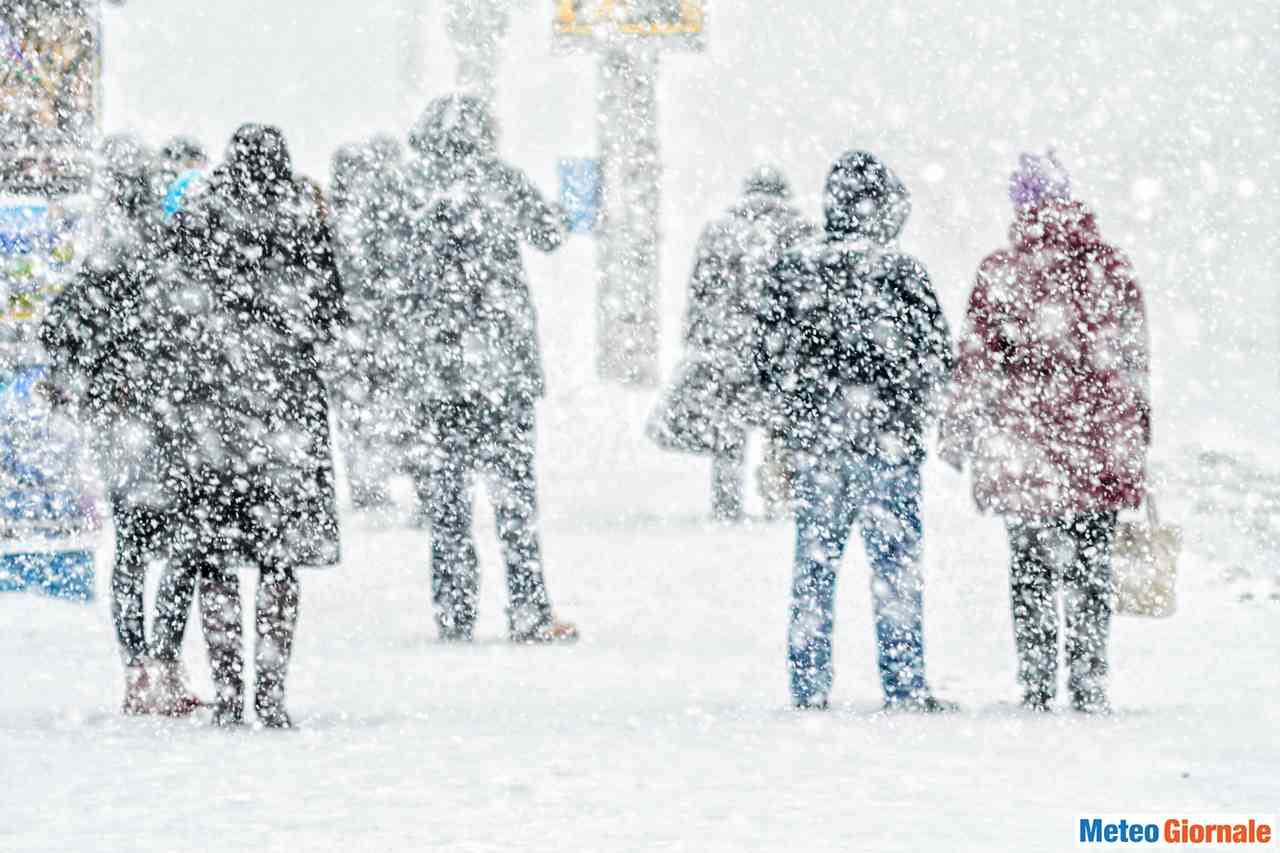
{"points": [[477, 28], [631, 172]]}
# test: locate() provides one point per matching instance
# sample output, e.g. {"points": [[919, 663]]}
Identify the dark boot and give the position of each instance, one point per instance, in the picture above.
{"points": [[220, 619], [277, 618]]}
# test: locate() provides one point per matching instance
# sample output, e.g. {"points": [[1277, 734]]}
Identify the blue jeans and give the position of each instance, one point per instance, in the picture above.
{"points": [[832, 494]]}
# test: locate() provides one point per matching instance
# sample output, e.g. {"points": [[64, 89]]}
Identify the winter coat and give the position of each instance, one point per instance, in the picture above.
{"points": [[111, 343], [448, 262], [1050, 396], [715, 395], [257, 251], [854, 347]]}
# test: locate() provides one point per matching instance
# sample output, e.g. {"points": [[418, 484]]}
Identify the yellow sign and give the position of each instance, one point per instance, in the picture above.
{"points": [[630, 17]]}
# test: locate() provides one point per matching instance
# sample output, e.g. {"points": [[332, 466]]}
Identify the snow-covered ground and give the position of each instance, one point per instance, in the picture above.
{"points": [[667, 727]]}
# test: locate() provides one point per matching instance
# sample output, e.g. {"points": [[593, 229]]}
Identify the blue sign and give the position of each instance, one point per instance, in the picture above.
{"points": [[43, 508], [24, 230], [580, 192]]}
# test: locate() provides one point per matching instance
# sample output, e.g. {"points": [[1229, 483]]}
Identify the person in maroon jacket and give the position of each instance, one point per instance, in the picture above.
{"points": [[1050, 404]]}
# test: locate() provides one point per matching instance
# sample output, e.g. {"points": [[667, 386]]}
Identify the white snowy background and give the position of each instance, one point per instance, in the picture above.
{"points": [[667, 727]]}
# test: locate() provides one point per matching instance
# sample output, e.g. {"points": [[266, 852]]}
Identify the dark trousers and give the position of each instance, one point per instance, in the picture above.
{"points": [[275, 620], [496, 441], [143, 538], [1073, 553]]}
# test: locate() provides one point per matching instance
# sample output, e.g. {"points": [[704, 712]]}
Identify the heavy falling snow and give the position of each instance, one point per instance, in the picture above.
{"points": [[670, 687]]}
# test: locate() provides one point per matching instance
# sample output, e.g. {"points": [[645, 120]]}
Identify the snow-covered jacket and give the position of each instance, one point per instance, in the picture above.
{"points": [[263, 296], [734, 256], [854, 347], [1050, 397], [714, 394], [448, 261]]}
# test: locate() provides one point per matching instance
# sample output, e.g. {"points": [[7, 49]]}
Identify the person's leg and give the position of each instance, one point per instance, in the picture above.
{"points": [[892, 534], [1088, 609], [175, 592], [513, 489], [220, 617], [455, 568], [774, 478], [128, 576], [1032, 589], [728, 473], [276, 618], [824, 516], [176, 589]]}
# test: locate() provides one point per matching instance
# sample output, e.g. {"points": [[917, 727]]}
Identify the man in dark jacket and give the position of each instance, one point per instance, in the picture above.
{"points": [[263, 303], [853, 351], [451, 265], [718, 385], [102, 338]]}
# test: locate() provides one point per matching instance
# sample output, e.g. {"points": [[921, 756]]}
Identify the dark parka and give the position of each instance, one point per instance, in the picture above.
{"points": [[449, 261], [257, 250], [111, 343], [854, 347], [715, 395]]}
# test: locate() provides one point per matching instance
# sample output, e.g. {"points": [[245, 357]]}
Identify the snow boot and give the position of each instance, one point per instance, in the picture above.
{"points": [[548, 632], [922, 703], [817, 702], [1038, 701], [173, 697], [137, 691]]}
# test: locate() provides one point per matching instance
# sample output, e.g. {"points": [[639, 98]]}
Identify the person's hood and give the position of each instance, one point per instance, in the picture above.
{"points": [[766, 180], [864, 200], [258, 163], [124, 175], [455, 127], [1054, 224], [351, 165]]}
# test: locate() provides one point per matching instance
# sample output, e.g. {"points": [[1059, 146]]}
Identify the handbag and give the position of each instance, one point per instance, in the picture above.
{"points": [[690, 417], [1144, 566]]}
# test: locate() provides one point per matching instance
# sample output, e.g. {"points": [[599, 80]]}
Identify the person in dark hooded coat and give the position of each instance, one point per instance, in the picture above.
{"points": [[715, 399], [257, 250], [450, 266], [102, 336], [852, 351]]}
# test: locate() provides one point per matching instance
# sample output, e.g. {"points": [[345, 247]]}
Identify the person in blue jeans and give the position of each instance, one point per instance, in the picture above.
{"points": [[852, 351], [883, 499]]}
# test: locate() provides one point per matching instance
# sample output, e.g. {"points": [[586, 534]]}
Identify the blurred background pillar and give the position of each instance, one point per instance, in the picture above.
{"points": [[477, 28]]}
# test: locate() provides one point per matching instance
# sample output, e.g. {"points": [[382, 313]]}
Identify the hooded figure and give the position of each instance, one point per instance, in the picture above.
{"points": [[183, 161], [716, 396], [257, 251], [1050, 404], [111, 345], [368, 417], [450, 269], [853, 349]]}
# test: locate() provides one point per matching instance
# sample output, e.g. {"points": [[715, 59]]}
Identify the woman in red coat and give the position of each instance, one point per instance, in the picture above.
{"points": [[1050, 404]]}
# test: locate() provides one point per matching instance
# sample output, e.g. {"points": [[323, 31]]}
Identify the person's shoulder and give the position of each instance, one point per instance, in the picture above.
{"points": [[998, 263]]}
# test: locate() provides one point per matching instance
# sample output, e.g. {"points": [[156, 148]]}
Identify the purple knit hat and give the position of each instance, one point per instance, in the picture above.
{"points": [[1038, 179]]}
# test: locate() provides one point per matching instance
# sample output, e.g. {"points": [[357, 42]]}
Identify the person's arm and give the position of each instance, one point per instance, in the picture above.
{"points": [[976, 377], [76, 332], [541, 224], [1135, 344]]}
